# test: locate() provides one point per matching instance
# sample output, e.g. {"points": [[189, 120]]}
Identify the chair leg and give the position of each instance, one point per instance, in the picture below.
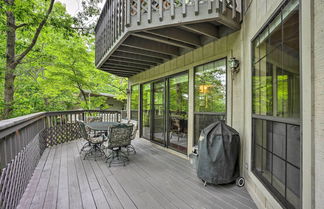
{"points": [[130, 147], [84, 146], [117, 155]]}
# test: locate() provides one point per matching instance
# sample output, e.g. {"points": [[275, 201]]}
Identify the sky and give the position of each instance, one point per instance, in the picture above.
{"points": [[72, 6]]}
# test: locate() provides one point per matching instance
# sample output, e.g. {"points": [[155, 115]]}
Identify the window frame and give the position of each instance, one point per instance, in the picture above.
{"points": [[224, 115], [138, 101], [287, 121]]}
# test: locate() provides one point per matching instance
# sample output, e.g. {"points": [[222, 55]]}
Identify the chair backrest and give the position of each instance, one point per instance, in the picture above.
{"points": [[124, 121], [91, 119], [83, 130], [119, 136], [135, 128]]}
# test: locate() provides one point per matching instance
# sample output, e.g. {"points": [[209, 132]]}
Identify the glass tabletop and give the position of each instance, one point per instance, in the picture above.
{"points": [[101, 126]]}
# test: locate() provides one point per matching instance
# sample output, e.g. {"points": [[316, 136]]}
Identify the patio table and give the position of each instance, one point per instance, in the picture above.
{"points": [[101, 126]]}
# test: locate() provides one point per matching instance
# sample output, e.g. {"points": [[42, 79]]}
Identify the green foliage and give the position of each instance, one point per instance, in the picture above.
{"points": [[210, 87], [60, 66]]}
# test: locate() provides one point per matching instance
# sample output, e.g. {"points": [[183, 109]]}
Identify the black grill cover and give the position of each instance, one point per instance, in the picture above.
{"points": [[219, 151]]}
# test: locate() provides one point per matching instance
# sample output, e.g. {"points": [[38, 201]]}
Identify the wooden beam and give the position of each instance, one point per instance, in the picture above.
{"points": [[121, 69], [143, 52], [114, 71], [128, 65], [153, 46], [177, 35], [119, 74], [133, 56], [125, 60], [164, 40], [124, 68], [205, 29]]}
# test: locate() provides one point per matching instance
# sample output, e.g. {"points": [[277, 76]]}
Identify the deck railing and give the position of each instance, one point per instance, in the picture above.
{"points": [[121, 16], [24, 139]]}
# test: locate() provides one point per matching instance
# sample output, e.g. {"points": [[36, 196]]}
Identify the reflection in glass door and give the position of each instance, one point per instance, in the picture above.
{"points": [[178, 113], [146, 110], [158, 117]]}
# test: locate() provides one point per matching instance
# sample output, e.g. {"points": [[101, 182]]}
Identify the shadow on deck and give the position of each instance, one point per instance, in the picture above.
{"points": [[153, 179]]}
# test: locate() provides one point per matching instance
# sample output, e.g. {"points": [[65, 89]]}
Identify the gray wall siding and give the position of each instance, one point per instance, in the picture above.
{"points": [[239, 92], [319, 101]]}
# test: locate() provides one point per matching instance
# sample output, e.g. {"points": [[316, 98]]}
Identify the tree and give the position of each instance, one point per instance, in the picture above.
{"points": [[53, 75], [86, 20], [12, 11]]}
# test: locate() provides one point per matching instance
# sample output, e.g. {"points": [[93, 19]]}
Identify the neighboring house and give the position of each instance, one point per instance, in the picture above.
{"points": [[181, 59], [114, 104]]}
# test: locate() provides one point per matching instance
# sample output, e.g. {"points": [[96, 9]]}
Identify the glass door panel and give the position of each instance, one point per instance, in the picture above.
{"points": [[178, 113], [158, 128], [146, 111]]}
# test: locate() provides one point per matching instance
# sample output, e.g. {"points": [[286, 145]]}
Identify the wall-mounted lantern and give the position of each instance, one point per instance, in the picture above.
{"points": [[128, 91], [234, 64]]}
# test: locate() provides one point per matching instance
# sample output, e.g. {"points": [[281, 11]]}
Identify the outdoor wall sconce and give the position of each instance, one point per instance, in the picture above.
{"points": [[128, 91], [234, 64]]}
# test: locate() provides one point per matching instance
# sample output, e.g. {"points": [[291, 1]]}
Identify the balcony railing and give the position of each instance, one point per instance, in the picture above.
{"points": [[120, 18], [24, 139]]}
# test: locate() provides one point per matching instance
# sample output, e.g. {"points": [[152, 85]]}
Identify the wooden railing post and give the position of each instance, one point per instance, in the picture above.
{"points": [[217, 6], [234, 8], [161, 10], [196, 7], [128, 13], [224, 5], [172, 9], [184, 8], [149, 11], [139, 12]]}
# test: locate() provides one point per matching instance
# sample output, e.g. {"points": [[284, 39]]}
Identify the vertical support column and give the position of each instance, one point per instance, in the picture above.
{"points": [[128, 102], [307, 89], [191, 111]]}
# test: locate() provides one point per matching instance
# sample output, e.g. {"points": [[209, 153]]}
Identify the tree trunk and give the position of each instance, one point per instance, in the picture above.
{"points": [[10, 63], [84, 95], [11, 59]]}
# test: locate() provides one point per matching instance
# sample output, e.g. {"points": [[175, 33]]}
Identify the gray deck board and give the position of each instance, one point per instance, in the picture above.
{"points": [[63, 188], [153, 178], [74, 187]]}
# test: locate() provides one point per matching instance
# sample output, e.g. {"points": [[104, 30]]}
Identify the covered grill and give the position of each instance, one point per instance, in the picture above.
{"points": [[219, 151]]}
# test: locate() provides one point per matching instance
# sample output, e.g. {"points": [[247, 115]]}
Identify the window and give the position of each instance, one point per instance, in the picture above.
{"points": [[276, 106], [134, 102], [210, 94]]}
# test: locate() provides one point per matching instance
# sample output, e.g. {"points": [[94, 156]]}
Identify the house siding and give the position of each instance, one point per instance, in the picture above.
{"points": [[239, 111], [319, 101]]}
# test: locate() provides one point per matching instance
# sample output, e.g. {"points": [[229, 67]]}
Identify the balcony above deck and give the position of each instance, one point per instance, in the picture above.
{"points": [[135, 35]]}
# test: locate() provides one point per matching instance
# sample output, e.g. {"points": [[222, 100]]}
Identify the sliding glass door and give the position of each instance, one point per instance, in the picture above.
{"points": [[158, 107], [164, 112], [178, 112], [146, 111]]}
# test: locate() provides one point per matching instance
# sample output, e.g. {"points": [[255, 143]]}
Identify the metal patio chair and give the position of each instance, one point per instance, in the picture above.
{"points": [[94, 144], [118, 137], [130, 147]]}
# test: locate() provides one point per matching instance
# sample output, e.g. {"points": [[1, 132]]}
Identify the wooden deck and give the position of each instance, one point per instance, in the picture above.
{"points": [[153, 179]]}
